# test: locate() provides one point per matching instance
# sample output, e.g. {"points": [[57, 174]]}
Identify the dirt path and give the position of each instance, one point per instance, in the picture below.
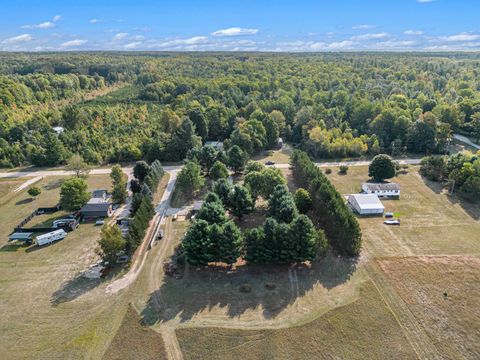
{"points": [[142, 252], [417, 337], [171, 343]]}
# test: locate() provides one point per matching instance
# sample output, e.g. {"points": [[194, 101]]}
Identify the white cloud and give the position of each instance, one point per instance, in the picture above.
{"points": [[425, 1], [395, 44], [44, 25], [235, 31], [413, 32], [56, 18], [120, 36], [132, 45], [461, 37], [18, 39], [76, 42], [370, 36], [363, 27], [94, 21], [340, 45]]}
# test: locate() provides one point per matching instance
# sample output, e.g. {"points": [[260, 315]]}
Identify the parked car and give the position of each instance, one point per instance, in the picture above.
{"points": [[99, 222], [122, 259], [160, 234], [270, 163], [389, 215], [392, 222]]}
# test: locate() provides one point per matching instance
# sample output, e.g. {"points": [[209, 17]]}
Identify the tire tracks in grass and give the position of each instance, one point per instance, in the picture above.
{"points": [[416, 336]]}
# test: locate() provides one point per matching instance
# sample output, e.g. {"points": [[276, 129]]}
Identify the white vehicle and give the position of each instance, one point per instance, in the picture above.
{"points": [[392, 222], [51, 237]]}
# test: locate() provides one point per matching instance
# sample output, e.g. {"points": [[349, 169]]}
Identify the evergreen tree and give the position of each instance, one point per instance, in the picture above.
{"points": [[218, 171], [197, 245], [223, 189], [141, 170], [240, 201], [212, 213]]}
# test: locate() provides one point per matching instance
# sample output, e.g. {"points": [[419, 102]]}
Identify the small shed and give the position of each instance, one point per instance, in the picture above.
{"points": [[21, 236], [366, 204], [382, 189]]}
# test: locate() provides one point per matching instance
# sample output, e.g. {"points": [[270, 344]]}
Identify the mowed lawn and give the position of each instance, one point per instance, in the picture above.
{"points": [[363, 329], [48, 309], [443, 293], [432, 221]]}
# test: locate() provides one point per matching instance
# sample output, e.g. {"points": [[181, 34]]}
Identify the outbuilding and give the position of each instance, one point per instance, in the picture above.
{"points": [[382, 189], [366, 204], [96, 209]]}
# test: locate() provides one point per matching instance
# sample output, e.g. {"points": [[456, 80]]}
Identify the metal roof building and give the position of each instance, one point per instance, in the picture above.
{"points": [[366, 204]]}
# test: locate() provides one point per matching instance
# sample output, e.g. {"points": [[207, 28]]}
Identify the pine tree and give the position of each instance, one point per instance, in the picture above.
{"points": [[240, 201]]}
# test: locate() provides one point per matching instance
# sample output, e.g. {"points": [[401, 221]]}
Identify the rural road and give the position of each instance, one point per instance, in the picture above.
{"points": [[176, 168], [139, 261], [466, 140]]}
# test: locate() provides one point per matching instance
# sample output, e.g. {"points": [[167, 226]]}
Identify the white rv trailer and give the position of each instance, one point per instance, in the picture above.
{"points": [[51, 237]]}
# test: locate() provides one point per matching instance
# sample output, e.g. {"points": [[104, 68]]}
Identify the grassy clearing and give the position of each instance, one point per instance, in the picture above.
{"points": [[135, 341], [7, 186], [451, 321], [212, 296], [45, 302], [433, 222], [281, 156], [364, 329]]}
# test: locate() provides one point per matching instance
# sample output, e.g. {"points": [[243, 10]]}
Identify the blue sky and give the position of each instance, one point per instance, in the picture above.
{"points": [[242, 25]]}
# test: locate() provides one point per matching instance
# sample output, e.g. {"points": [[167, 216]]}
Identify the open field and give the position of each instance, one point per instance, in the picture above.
{"points": [[7, 186], [44, 300], [281, 156], [135, 341], [363, 329], [433, 222], [443, 294]]}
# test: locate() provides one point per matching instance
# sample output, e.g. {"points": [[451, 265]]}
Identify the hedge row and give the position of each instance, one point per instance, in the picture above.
{"points": [[332, 214]]}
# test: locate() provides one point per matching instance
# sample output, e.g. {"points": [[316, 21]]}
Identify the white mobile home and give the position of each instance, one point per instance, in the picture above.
{"points": [[51, 237], [366, 204], [382, 189]]}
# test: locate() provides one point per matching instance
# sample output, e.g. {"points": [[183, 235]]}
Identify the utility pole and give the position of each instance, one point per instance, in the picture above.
{"points": [[453, 187]]}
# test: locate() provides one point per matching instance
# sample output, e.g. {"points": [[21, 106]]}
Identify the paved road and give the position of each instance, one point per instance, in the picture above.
{"points": [[176, 168], [466, 140]]}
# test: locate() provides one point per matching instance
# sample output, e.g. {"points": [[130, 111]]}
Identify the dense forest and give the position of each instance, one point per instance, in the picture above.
{"points": [[168, 104]]}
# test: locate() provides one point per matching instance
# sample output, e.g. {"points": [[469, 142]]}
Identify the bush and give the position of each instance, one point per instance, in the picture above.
{"points": [[303, 200], [34, 191], [343, 170], [328, 171]]}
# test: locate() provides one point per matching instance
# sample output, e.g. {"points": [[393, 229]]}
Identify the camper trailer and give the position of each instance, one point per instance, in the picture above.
{"points": [[50, 237]]}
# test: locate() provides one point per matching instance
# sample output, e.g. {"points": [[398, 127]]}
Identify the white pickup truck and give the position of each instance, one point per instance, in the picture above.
{"points": [[50, 237]]}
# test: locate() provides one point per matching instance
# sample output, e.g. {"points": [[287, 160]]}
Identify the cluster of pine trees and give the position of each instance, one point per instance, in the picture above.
{"points": [[341, 227], [142, 210], [286, 237]]}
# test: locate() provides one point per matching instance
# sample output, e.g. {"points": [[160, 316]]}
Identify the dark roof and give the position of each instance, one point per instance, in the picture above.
{"points": [[96, 207], [382, 186], [20, 236], [99, 193]]}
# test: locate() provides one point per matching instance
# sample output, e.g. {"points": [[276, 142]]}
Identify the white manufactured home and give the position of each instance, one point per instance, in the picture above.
{"points": [[382, 189], [366, 204]]}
